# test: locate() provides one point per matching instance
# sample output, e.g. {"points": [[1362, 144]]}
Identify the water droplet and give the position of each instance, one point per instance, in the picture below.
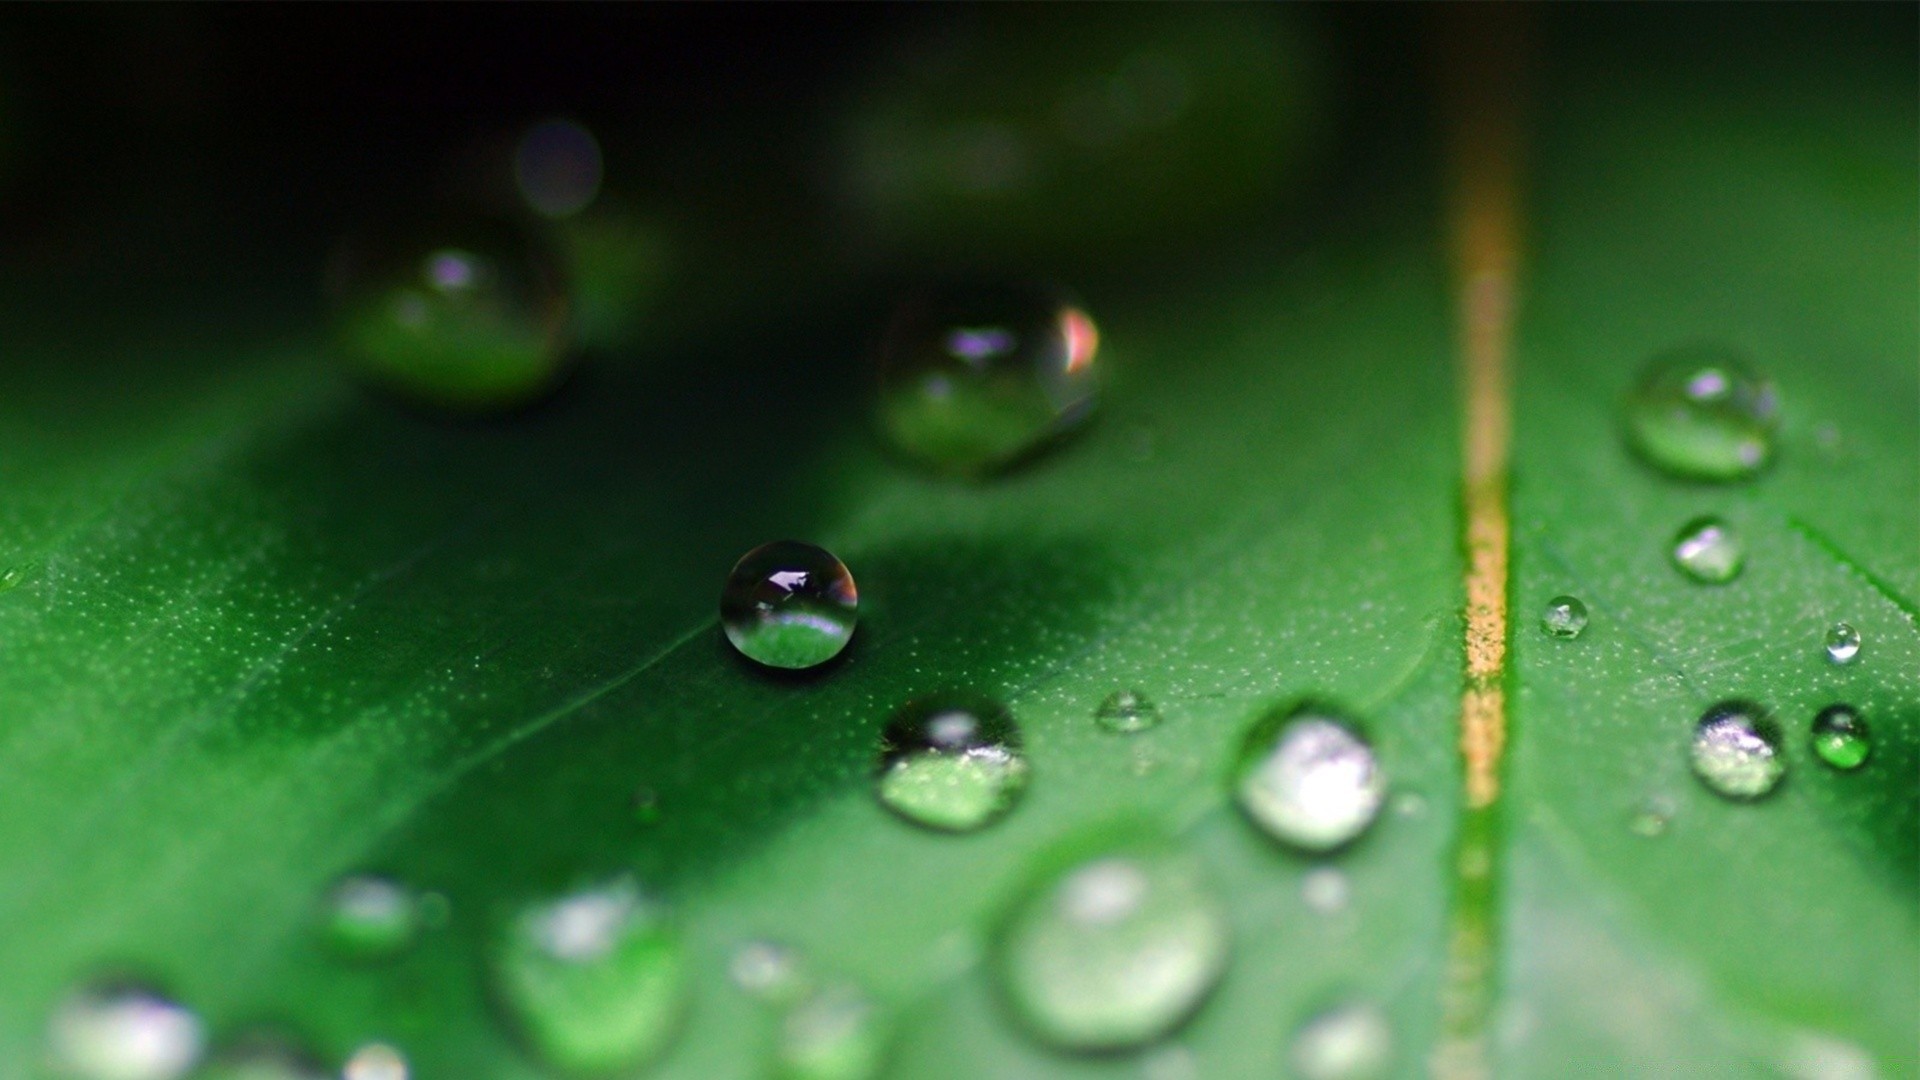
{"points": [[371, 917], [558, 168], [952, 761], [973, 380], [1348, 1042], [124, 1032], [375, 1061], [1843, 643], [1113, 953], [464, 315], [1652, 817], [1736, 750], [768, 971], [1325, 890], [1840, 737], [596, 979], [1127, 711], [262, 1057], [834, 1034], [1308, 780], [1708, 550], [645, 804], [789, 605], [1700, 414], [1564, 617], [11, 577]]}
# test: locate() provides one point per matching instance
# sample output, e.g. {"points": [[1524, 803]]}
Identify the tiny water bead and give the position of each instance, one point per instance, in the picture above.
{"points": [[789, 605], [1652, 817], [1840, 737], [835, 1033], [1709, 550], [1843, 643], [596, 979], [1700, 414], [1113, 953], [372, 918], [1308, 780], [952, 762], [1736, 750], [768, 971], [1347, 1042], [375, 1061], [972, 380], [122, 1031], [1564, 617], [1127, 711]]}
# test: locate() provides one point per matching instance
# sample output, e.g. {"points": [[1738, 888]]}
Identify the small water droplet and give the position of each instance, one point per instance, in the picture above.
{"points": [[952, 761], [789, 605], [1843, 643], [835, 1033], [1700, 414], [1308, 780], [371, 918], [1410, 804], [558, 168], [262, 1057], [1840, 737], [595, 979], [1708, 550], [1564, 617], [1127, 711], [375, 1061], [1325, 890], [768, 971], [1736, 750], [121, 1031], [1113, 953], [973, 380], [11, 577], [645, 803], [1348, 1042], [1652, 817]]}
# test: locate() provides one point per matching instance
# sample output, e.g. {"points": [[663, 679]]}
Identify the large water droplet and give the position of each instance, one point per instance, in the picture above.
{"points": [[596, 979], [1308, 780], [835, 1033], [1113, 953], [973, 380], [1564, 617], [1348, 1042], [1843, 643], [1700, 414], [124, 1032], [371, 917], [1708, 550], [952, 761], [1736, 750], [1840, 737], [1127, 711], [789, 605]]}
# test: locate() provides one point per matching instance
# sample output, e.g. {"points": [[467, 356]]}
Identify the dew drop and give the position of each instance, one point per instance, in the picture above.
{"points": [[1708, 550], [645, 804], [1700, 414], [371, 918], [1325, 890], [768, 971], [1840, 737], [973, 380], [1736, 750], [1843, 643], [835, 1033], [11, 577], [124, 1032], [1348, 1042], [1652, 817], [1113, 953], [1308, 780], [375, 1061], [952, 761], [595, 979], [789, 605], [1127, 711], [1564, 617]]}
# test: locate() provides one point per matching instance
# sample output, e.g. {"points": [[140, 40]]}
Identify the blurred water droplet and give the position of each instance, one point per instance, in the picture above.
{"points": [[12, 576], [1840, 737], [1708, 550], [371, 918], [1652, 817], [1564, 617], [1700, 414], [645, 803], [1410, 804], [262, 1057], [834, 1033], [558, 168], [1349, 1042], [768, 971], [1308, 780], [1736, 750], [789, 605], [118, 1031], [1127, 711], [952, 761], [1325, 890], [1843, 643], [375, 1061]]}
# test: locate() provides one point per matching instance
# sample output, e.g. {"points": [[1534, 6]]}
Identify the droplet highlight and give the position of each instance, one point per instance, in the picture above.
{"points": [[1348, 1042], [952, 762], [371, 918], [1701, 414], [1308, 780], [1564, 617], [1127, 711], [124, 1032], [376, 1061], [1840, 737], [1709, 550], [1736, 750], [835, 1033], [1843, 643], [789, 605]]}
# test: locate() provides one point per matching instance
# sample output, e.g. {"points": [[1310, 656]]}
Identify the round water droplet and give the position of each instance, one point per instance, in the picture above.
{"points": [[789, 605], [1325, 890], [835, 1033], [1113, 953], [1736, 750], [1700, 414], [371, 917], [1840, 737], [1564, 617], [595, 979], [124, 1032], [375, 1061], [1349, 1042], [1652, 817], [973, 380], [1708, 550], [1308, 780], [11, 577], [1127, 711], [465, 315], [768, 971], [1843, 643], [262, 1057], [952, 761]]}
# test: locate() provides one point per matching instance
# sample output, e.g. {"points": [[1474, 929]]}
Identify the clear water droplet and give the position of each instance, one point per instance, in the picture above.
{"points": [[1708, 550], [262, 1057], [11, 577], [1736, 750], [376, 1061], [1843, 643], [1700, 414], [596, 979], [1840, 737], [835, 1033], [1113, 953], [1652, 817], [371, 918], [789, 605], [1564, 617], [1325, 890], [121, 1031], [1127, 711], [973, 380], [768, 971], [1309, 780], [1347, 1042], [952, 761]]}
